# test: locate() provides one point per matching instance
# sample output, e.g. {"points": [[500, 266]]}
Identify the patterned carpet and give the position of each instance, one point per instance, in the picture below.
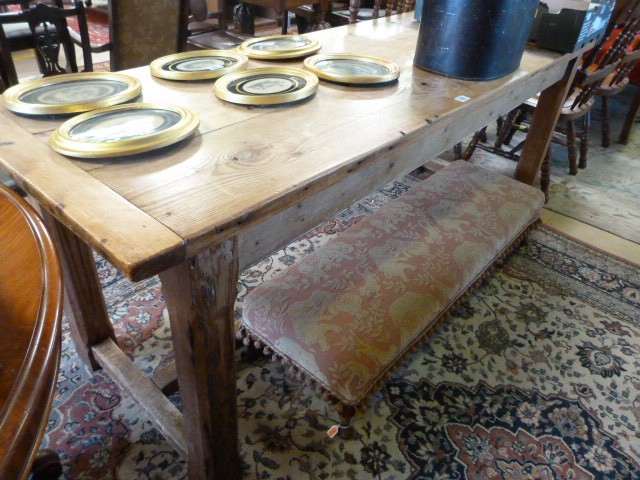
{"points": [[607, 193], [536, 376]]}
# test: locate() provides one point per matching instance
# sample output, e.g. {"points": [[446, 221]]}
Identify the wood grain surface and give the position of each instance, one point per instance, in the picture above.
{"points": [[30, 315], [246, 164]]}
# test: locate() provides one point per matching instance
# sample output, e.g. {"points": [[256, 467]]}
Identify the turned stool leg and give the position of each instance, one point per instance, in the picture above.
{"points": [[346, 413], [571, 147]]}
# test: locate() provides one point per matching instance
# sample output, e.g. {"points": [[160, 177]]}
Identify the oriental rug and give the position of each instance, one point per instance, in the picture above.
{"points": [[537, 376], [607, 193]]}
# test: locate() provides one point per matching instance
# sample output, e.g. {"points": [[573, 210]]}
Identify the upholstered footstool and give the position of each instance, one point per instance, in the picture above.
{"points": [[349, 312]]}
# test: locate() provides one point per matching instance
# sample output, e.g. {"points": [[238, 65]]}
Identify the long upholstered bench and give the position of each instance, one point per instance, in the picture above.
{"points": [[349, 312]]}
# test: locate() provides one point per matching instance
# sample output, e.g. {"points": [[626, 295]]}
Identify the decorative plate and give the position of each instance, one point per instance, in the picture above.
{"points": [[266, 86], [198, 65], [277, 47], [345, 68], [71, 93], [124, 130]]}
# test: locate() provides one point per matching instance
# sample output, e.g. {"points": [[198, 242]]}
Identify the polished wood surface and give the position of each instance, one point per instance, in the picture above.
{"points": [[31, 312], [250, 180], [246, 164]]}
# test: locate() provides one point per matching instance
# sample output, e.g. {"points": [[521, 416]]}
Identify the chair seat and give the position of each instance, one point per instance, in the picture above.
{"points": [[348, 312], [98, 25], [567, 113], [217, 40], [606, 89]]}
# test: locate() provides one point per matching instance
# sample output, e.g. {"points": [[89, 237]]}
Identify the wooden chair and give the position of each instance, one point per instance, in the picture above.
{"points": [[577, 107], [356, 14], [49, 27], [31, 306], [613, 85]]}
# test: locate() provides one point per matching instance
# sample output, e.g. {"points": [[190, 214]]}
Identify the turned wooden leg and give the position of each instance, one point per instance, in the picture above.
{"points": [[520, 116], [457, 151], [84, 303], [483, 135], [200, 294], [545, 174], [283, 15], [472, 144], [630, 118], [605, 122], [584, 141], [46, 466], [346, 413], [571, 148], [504, 127]]}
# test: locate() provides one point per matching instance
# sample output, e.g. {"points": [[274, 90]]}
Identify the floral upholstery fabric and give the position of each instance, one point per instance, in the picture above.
{"points": [[348, 311]]}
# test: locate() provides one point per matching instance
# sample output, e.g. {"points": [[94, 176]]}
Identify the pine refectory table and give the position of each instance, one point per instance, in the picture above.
{"points": [[249, 181]]}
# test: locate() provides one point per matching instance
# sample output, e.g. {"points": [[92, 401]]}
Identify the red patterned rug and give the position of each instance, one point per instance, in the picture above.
{"points": [[536, 376]]}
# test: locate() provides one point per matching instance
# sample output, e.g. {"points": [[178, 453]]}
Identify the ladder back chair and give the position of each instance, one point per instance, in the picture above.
{"points": [[31, 315], [48, 24]]}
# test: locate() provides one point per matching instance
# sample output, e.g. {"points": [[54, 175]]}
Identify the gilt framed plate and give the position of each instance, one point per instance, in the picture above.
{"points": [[278, 47], [71, 93], [198, 65], [266, 86], [352, 69], [124, 130]]}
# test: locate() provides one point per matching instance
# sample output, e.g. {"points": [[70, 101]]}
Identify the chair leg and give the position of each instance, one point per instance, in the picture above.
{"points": [[472, 144], [346, 413], [514, 126], [504, 127], [545, 174], [605, 122], [571, 148], [584, 140], [457, 151], [630, 118]]}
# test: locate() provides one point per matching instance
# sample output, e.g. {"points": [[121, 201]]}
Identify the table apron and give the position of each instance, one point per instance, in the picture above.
{"points": [[369, 173]]}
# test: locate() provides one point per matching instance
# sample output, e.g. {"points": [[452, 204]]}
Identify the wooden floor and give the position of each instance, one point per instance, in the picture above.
{"points": [[600, 239]]}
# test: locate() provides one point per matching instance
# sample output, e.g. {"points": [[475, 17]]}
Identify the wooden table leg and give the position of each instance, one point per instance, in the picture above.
{"points": [[200, 295], [542, 126], [84, 302]]}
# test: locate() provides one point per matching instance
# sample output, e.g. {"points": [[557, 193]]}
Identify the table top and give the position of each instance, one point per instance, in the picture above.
{"points": [[244, 164]]}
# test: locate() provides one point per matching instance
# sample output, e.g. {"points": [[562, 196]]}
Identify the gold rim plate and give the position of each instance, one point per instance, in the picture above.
{"points": [[124, 130], [278, 47], [71, 93], [358, 69], [198, 65], [266, 86]]}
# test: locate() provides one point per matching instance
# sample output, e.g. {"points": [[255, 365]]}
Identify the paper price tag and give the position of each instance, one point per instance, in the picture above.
{"points": [[333, 431], [462, 98]]}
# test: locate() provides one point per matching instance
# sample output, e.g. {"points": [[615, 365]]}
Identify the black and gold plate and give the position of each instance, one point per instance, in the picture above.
{"points": [[124, 130], [266, 86], [198, 65], [279, 47], [352, 69], [71, 93]]}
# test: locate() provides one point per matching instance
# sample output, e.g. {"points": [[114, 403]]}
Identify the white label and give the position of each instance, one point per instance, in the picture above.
{"points": [[462, 99]]}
